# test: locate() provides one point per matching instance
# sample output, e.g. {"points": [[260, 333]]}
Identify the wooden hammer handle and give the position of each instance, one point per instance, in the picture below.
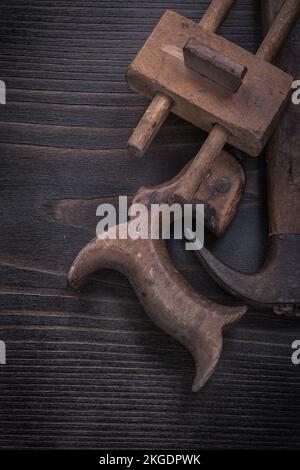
{"points": [[283, 164], [278, 25], [216, 14]]}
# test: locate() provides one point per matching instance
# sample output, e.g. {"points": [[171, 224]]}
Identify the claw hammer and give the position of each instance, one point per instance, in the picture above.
{"points": [[277, 284]]}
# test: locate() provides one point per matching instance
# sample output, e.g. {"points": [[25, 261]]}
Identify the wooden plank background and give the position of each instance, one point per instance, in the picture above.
{"points": [[90, 370]]}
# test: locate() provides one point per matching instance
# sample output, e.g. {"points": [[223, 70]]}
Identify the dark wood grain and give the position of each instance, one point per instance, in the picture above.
{"points": [[90, 370]]}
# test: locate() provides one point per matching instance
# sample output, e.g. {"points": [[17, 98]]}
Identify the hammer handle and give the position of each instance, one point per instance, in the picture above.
{"points": [[282, 153], [215, 14], [279, 28]]}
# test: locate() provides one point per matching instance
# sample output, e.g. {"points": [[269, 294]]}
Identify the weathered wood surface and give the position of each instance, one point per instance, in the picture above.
{"points": [[91, 370]]}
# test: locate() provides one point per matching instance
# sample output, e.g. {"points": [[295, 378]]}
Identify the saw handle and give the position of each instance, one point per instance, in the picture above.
{"points": [[171, 303]]}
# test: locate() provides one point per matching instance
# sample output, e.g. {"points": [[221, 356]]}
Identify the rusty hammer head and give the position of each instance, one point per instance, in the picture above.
{"points": [[276, 285]]}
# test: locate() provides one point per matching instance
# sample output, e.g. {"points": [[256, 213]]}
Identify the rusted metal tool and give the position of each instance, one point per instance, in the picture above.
{"points": [[277, 284], [230, 97]]}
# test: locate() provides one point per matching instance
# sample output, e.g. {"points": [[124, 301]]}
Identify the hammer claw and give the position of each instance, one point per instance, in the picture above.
{"points": [[233, 281], [275, 284]]}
